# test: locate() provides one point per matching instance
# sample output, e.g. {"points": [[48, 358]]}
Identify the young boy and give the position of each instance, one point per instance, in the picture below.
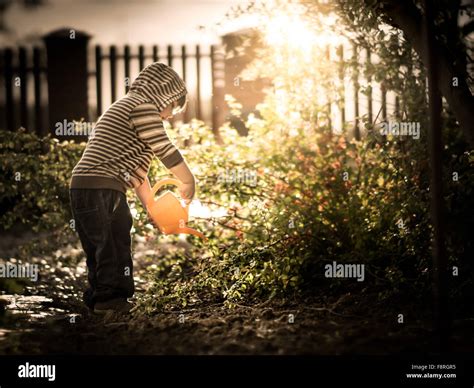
{"points": [[117, 157]]}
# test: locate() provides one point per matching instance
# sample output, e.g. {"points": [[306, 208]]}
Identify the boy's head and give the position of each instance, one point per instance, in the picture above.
{"points": [[174, 108], [161, 85]]}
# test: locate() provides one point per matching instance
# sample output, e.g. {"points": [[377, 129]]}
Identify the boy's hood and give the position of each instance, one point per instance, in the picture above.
{"points": [[160, 84]]}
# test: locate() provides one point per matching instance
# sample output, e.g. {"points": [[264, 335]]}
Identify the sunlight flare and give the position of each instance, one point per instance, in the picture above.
{"points": [[198, 210], [291, 30]]}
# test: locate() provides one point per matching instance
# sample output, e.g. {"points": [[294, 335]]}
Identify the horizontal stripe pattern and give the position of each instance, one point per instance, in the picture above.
{"points": [[169, 88], [131, 132]]}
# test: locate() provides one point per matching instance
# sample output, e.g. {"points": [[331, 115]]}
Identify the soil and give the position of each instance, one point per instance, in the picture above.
{"points": [[49, 318]]}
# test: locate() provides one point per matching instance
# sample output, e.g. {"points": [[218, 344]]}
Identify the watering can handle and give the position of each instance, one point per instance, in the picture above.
{"points": [[166, 181]]}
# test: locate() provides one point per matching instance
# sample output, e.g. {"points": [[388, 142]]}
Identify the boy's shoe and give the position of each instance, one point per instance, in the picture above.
{"points": [[118, 305]]}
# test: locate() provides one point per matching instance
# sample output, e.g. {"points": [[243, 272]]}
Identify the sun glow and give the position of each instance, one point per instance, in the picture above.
{"points": [[293, 31], [302, 50], [198, 210]]}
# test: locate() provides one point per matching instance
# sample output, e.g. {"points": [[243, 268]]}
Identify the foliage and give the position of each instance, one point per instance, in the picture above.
{"points": [[319, 198], [452, 23], [35, 175]]}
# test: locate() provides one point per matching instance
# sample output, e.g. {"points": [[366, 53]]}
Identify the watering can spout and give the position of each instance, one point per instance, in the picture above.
{"points": [[167, 212], [187, 230]]}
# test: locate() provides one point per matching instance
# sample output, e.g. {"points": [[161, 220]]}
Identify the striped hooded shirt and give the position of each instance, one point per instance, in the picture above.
{"points": [[130, 133]]}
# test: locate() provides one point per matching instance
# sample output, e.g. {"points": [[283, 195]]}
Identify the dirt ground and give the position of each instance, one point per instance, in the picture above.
{"points": [[49, 318]]}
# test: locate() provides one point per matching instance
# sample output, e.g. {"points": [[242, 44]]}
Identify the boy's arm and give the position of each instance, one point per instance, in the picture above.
{"points": [[144, 192], [150, 129], [184, 174]]}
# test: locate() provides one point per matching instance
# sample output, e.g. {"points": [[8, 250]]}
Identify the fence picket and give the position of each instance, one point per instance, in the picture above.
{"points": [[98, 81], [126, 60], [40, 130], [23, 88], [113, 73], [198, 82], [8, 78]]}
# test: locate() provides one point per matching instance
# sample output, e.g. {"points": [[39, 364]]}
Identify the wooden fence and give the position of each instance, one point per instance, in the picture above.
{"points": [[113, 58], [71, 80], [43, 85], [23, 71]]}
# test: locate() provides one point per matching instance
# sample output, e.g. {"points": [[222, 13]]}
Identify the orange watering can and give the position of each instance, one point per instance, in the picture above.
{"points": [[168, 213]]}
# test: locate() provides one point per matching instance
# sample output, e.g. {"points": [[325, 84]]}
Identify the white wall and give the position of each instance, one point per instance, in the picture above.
{"points": [[121, 21]]}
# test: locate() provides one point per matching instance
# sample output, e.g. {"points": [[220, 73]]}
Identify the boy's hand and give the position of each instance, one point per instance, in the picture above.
{"points": [[150, 219], [184, 174], [187, 191]]}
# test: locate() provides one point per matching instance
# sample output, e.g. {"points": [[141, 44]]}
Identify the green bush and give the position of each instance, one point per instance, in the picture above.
{"points": [[34, 190], [316, 198], [319, 198]]}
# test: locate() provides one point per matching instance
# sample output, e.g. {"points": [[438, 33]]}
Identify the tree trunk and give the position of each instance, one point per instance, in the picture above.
{"points": [[407, 17]]}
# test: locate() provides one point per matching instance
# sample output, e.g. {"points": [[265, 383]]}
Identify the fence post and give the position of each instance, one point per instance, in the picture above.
{"points": [[113, 73], [329, 102], [218, 84], [342, 97], [369, 87], [198, 83], [141, 57], [155, 53], [98, 78], [126, 64], [23, 88], [356, 91], [66, 51], [183, 66], [8, 76], [39, 128], [170, 55]]}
